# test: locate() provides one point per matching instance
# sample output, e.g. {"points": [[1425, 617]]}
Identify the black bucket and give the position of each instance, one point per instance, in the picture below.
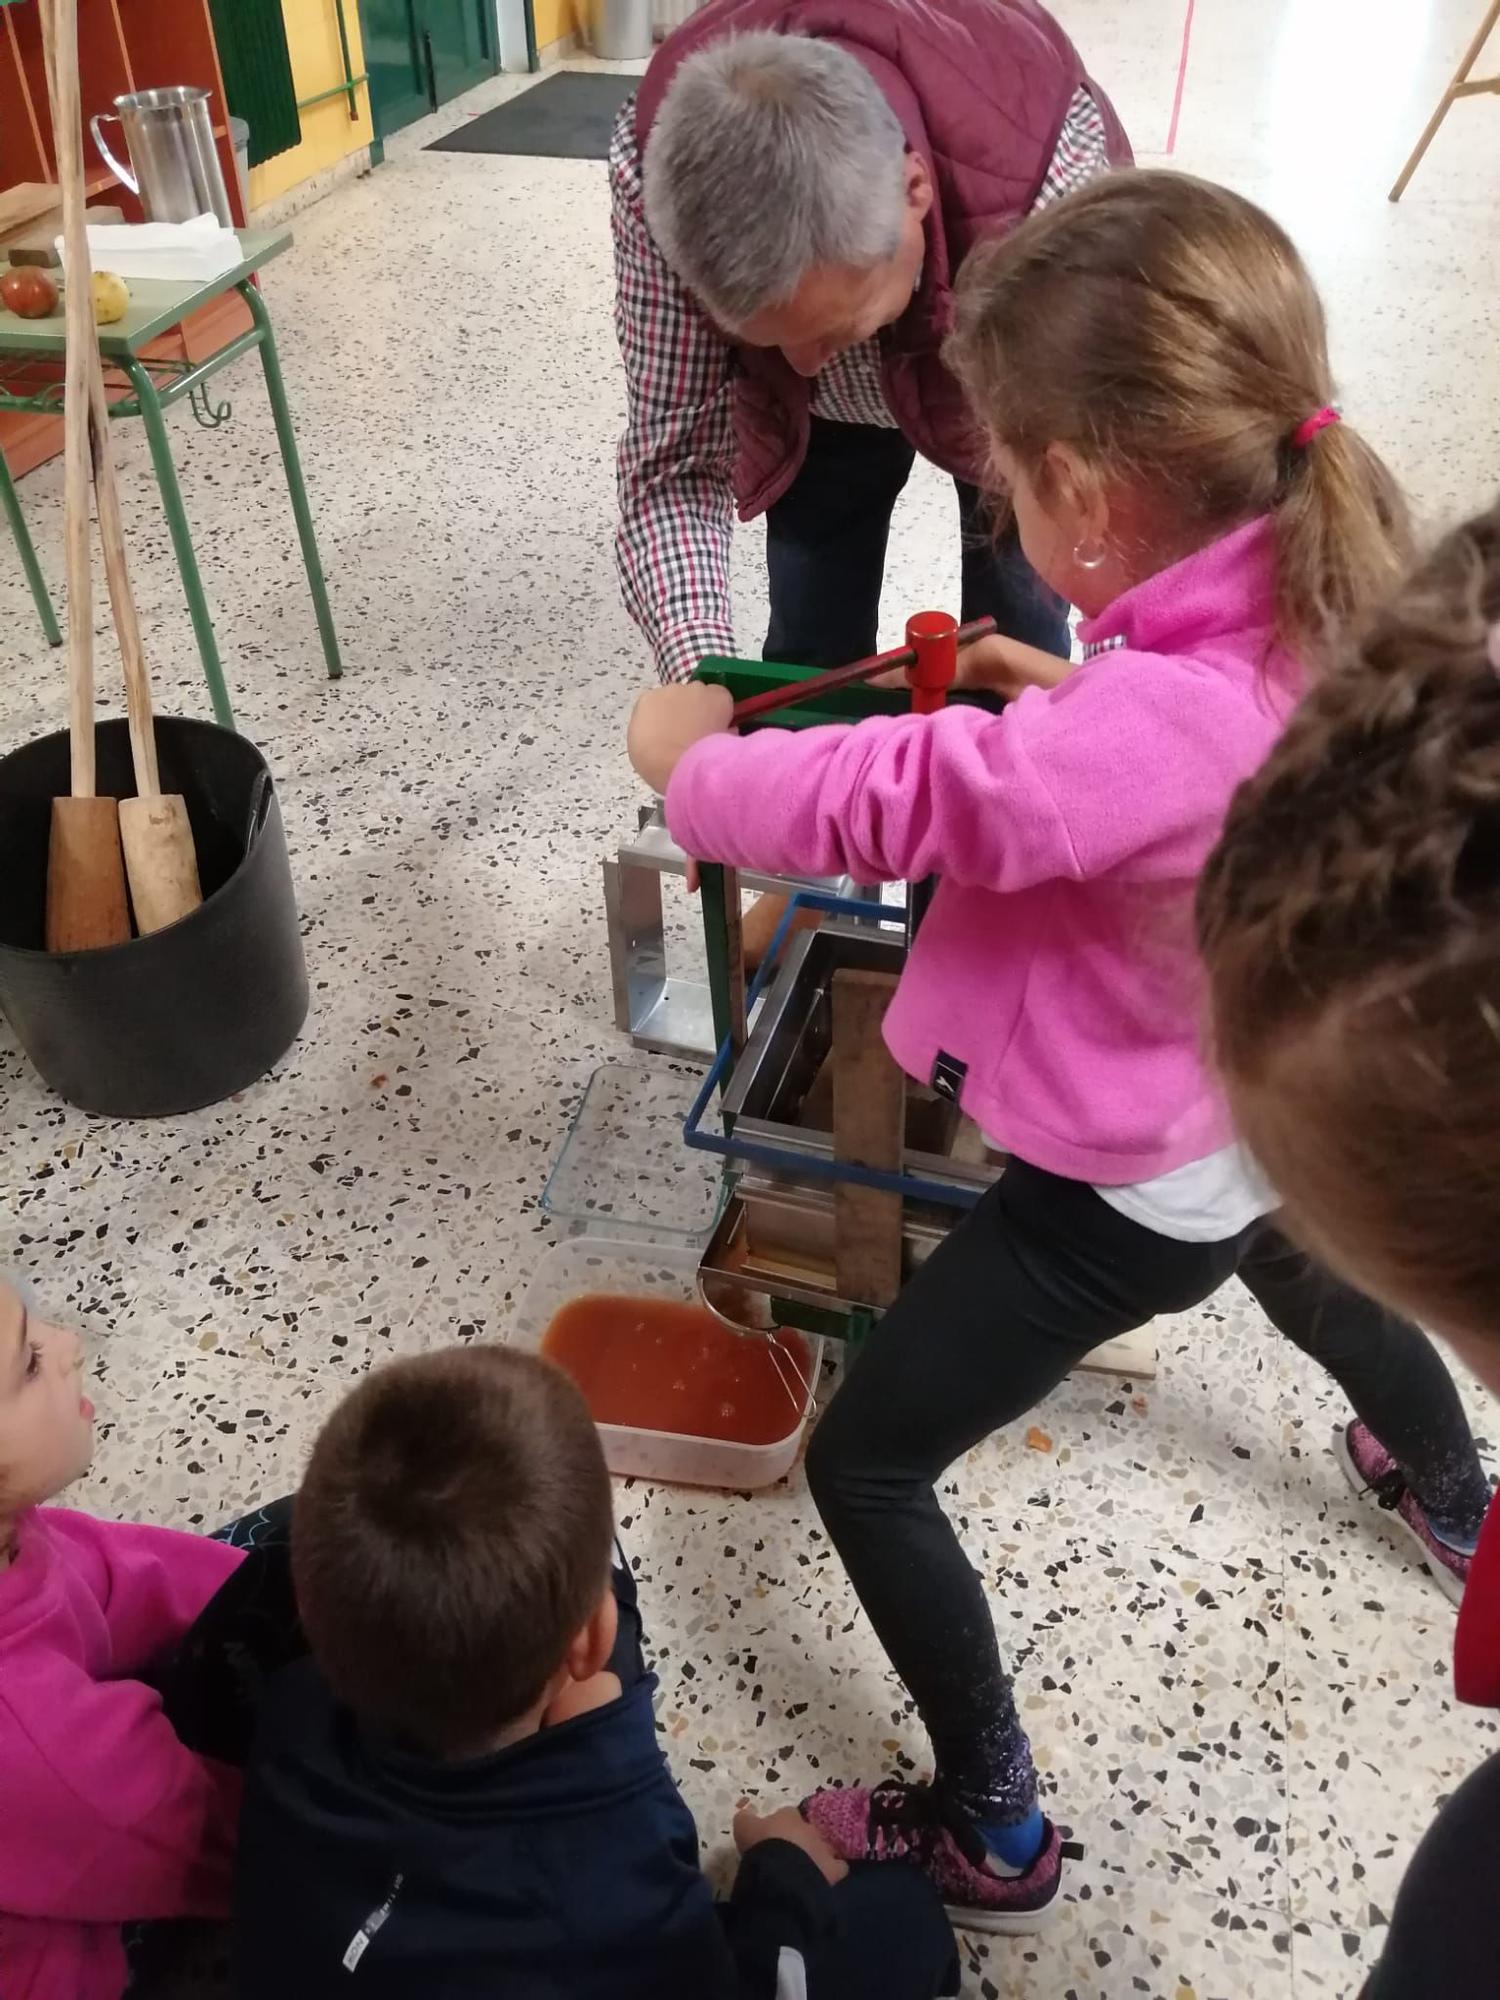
{"points": [[190, 1014]]}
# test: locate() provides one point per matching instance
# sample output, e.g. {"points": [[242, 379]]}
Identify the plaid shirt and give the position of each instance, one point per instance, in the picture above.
{"points": [[676, 458]]}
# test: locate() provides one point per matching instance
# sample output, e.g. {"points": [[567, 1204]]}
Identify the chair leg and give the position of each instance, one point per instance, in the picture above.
{"points": [[1460, 76], [154, 419], [33, 569], [286, 437]]}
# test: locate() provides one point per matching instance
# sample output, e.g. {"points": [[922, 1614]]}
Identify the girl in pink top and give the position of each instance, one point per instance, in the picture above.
{"points": [[1149, 361], [105, 1816]]}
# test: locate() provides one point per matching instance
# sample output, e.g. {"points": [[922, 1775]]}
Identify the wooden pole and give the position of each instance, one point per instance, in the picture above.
{"points": [[86, 906]]}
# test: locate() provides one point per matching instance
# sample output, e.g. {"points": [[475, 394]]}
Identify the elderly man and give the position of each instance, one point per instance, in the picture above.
{"points": [[794, 188]]}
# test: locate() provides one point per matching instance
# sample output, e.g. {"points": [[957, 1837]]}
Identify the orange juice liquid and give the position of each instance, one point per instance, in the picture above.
{"points": [[662, 1365]]}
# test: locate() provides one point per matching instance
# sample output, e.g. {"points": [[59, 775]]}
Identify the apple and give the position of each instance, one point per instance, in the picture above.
{"points": [[28, 292], [111, 297]]}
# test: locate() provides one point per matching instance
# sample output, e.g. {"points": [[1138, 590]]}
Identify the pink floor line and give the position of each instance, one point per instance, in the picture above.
{"points": [[1182, 63]]}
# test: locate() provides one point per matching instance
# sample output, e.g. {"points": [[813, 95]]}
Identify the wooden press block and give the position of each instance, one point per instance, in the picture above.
{"points": [[869, 1125]]}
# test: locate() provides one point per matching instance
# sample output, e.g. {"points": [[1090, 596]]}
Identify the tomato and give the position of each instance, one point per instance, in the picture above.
{"points": [[28, 292]]}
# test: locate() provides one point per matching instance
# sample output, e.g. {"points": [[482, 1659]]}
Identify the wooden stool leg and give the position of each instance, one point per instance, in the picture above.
{"points": [[1454, 90]]}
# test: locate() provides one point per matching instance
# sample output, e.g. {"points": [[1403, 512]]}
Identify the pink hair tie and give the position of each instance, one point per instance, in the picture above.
{"points": [[1308, 429]]}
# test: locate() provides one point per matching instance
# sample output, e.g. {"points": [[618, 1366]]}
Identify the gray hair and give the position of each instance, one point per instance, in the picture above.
{"points": [[771, 154]]}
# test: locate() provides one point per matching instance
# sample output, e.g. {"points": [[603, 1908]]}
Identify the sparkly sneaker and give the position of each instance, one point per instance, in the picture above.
{"points": [[915, 1824], [1373, 1473]]}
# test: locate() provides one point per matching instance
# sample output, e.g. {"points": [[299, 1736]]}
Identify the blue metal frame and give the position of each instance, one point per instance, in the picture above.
{"points": [[781, 1159]]}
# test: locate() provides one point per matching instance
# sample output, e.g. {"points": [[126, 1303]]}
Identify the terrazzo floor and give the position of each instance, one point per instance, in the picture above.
{"points": [[1238, 1688]]}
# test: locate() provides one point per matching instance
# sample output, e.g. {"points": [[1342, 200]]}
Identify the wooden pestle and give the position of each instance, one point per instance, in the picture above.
{"points": [[86, 906], [160, 857]]}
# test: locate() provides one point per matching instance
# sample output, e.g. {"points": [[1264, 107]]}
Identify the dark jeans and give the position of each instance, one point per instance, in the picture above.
{"points": [[1036, 1276], [1445, 1935], [825, 549]]}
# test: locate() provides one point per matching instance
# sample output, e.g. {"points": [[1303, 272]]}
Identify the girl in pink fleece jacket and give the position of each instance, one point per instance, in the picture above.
{"points": [[1149, 361], [105, 1816]]}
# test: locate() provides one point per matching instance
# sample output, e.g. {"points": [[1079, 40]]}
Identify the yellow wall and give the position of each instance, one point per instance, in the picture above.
{"points": [[328, 132], [554, 20]]}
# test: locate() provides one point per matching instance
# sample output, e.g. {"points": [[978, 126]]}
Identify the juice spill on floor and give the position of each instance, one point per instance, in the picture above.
{"points": [[661, 1365]]}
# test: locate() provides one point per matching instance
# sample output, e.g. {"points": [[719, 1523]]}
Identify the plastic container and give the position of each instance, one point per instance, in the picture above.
{"points": [[239, 139], [190, 1014], [625, 1170], [587, 1264], [622, 30]]}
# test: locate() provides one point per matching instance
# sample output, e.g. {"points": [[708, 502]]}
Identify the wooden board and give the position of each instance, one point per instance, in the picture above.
{"points": [[869, 1121], [36, 242], [25, 202]]}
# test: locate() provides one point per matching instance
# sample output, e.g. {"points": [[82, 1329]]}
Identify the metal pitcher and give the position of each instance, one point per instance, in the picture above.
{"points": [[170, 138]]}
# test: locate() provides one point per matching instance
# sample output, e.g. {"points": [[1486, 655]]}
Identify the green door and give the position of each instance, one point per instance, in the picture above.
{"points": [[421, 53], [461, 36], [394, 62]]}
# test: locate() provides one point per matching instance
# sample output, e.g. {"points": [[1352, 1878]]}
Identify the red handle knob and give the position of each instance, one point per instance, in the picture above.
{"points": [[933, 638]]}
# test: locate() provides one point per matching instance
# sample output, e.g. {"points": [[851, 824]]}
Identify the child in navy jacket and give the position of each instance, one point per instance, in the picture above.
{"points": [[461, 1791]]}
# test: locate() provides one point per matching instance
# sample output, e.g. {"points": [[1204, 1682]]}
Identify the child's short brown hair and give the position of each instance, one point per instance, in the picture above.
{"points": [[451, 1537], [1167, 331], [1350, 919]]}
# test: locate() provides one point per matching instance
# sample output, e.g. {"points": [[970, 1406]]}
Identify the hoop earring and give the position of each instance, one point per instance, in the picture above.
{"points": [[1091, 560]]}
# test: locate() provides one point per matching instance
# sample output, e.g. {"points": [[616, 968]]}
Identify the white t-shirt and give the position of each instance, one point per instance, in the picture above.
{"points": [[1206, 1201]]}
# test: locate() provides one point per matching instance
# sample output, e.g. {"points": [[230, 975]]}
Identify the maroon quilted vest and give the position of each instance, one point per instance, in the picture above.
{"points": [[981, 88]]}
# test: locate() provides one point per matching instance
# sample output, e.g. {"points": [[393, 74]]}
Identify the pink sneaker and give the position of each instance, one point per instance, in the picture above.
{"points": [[914, 1824], [1374, 1474]]}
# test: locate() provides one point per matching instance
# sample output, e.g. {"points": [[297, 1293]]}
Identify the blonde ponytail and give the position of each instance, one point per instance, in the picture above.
{"points": [[1168, 332], [1342, 539]]}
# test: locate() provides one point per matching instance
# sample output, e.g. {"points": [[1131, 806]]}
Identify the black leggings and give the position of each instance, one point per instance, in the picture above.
{"points": [[1041, 1272]]}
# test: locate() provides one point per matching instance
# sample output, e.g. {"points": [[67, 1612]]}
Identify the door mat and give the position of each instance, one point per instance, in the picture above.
{"points": [[569, 117]]}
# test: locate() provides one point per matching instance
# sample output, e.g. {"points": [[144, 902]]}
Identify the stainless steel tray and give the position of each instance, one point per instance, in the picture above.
{"points": [[770, 1264], [780, 1092], [771, 1259], [775, 1243]]}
